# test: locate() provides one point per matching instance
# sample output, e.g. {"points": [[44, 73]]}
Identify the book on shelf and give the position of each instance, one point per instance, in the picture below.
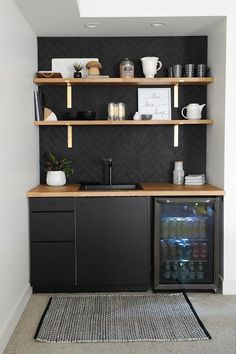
{"points": [[38, 105]]}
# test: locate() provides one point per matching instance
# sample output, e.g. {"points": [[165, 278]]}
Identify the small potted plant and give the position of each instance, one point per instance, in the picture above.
{"points": [[57, 170], [78, 67]]}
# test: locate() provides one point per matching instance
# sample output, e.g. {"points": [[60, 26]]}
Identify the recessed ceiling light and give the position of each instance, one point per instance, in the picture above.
{"points": [[157, 24], [92, 25]]}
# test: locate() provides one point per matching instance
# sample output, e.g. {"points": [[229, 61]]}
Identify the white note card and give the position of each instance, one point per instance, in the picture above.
{"points": [[155, 101]]}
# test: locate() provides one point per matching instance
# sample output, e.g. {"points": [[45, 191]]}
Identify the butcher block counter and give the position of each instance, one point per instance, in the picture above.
{"points": [[149, 189]]}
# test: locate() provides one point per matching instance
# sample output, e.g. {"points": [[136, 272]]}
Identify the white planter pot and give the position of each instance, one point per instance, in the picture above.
{"points": [[56, 178]]}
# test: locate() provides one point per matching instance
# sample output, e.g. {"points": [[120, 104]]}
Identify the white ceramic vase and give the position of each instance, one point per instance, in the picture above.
{"points": [[56, 178]]}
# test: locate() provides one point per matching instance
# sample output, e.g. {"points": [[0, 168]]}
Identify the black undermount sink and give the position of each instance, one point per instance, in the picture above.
{"points": [[94, 187]]}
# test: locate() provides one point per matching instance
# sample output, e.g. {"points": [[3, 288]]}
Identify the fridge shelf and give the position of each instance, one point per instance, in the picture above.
{"points": [[184, 260], [183, 281], [180, 239], [185, 217]]}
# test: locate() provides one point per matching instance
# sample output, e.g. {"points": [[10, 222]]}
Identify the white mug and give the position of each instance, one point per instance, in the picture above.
{"points": [[151, 65]]}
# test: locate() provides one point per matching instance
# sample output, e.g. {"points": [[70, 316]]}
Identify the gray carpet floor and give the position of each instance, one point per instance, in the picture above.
{"points": [[217, 312]]}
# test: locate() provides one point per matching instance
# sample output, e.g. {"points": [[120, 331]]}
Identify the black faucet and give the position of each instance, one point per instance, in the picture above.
{"points": [[108, 170]]}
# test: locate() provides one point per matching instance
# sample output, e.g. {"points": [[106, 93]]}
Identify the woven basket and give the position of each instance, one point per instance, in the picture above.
{"points": [[48, 75]]}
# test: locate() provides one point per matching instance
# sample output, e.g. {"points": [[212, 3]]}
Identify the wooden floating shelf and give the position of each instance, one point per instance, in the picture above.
{"points": [[136, 81], [126, 122]]}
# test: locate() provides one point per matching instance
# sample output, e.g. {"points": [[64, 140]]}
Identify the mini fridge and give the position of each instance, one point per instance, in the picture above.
{"points": [[186, 243]]}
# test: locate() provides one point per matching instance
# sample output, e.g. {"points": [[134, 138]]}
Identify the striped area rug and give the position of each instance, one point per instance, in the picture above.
{"points": [[120, 318]]}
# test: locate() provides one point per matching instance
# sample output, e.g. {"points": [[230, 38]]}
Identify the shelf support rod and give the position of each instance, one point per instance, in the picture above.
{"points": [[176, 96], [69, 136], [69, 95], [176, 135]]}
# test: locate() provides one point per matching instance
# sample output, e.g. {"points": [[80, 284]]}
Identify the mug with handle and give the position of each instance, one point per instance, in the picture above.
{"points": [[151, 65]]}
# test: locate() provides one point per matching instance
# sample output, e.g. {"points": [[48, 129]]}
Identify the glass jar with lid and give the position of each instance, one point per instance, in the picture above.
{"points": [[126, 68]]}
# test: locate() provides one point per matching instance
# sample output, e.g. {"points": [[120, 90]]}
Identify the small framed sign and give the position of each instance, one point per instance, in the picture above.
{"points": [[155, 101]]}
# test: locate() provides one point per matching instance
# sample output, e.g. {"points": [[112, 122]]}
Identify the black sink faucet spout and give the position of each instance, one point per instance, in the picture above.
{"points": [[108, 167], [110, 170]]}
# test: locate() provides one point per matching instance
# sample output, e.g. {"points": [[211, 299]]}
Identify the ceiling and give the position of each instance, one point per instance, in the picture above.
{"points": [[62, 18]]}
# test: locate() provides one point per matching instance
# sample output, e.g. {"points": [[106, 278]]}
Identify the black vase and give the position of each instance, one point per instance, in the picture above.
{"points": [[77, 74]]}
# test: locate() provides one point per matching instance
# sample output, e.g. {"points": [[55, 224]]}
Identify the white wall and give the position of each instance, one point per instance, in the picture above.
{"points": [[19, 162], [216, 108], [230, 161], [216, 111]]}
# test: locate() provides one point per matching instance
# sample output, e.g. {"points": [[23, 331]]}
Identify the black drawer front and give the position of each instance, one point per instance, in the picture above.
{"points": [[53, 226], [52, 264], [51, 204]]}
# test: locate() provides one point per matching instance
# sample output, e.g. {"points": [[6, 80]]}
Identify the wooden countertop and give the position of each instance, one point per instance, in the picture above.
{"points": [[149, 189]]}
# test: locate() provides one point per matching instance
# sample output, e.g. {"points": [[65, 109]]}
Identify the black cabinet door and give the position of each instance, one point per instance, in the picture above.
{"points": [[52, 264], [113, 243]]}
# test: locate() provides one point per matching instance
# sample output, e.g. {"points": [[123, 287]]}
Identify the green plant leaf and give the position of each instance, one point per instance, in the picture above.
{"points": [[53, 164]]}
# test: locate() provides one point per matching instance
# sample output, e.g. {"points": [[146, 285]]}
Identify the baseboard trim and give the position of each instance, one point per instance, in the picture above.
{"points": [[229, 287], [7, 331]]}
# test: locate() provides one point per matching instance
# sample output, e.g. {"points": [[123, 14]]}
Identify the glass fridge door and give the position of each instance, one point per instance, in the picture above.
{"points": [[185, 235]]}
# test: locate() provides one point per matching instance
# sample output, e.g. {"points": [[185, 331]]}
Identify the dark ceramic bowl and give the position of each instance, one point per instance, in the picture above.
{"points": [[146, 116], [87, 115], [72, 115]]}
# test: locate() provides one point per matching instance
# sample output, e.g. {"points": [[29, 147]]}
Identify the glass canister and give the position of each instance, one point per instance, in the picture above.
{"points": [[178, 173], [126, 68], [112, 111], [121, 111], [116, 111]]}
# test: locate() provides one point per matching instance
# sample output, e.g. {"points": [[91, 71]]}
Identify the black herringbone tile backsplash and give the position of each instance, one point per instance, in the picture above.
{"points": [[140, 153]]}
